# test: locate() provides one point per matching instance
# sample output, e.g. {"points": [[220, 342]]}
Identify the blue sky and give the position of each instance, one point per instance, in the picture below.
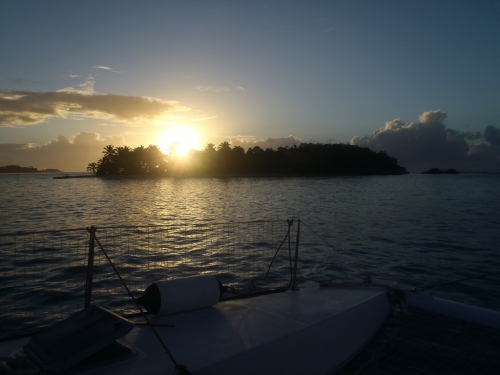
{"points": [[90, 73]]}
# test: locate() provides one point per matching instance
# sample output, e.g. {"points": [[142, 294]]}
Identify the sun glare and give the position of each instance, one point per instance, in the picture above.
{"points": [[179, 139]]}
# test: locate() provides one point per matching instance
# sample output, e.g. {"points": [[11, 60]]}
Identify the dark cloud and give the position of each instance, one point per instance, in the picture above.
{"points": [[273, 143], [473, 136], [70, 155], [483, 152], [28, 108], [430, 143], [492, 135]]}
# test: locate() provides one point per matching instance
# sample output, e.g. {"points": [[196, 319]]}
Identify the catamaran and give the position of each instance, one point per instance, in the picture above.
{"points": [[200, 324]]}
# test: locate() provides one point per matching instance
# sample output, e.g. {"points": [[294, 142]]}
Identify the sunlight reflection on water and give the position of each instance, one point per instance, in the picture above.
{"points": [[416, 229]]}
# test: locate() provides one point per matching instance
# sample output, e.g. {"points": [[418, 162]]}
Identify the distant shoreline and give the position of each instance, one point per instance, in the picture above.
{"points": [[180, 176], [75, 176], [439, 171], [41, 171], [19, 169]]}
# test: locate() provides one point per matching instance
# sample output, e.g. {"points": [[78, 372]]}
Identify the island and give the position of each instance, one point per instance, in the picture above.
{"points": [[438, 171], [307, 159], [30, 169]]}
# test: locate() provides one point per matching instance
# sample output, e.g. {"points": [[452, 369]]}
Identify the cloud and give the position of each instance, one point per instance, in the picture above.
{"points": [[433, 117], [429, 143], [217, 88], [473, 136], [18, 108], [484, 153], [106, 68], [69, 155], [86, 87], [492, 135], [274, 143], [74, 75], [212, 88]]}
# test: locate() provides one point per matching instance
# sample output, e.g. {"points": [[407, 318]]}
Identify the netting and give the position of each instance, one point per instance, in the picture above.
{"points": [[423, 343], [234, 252], [43, 274], [42, 277]]}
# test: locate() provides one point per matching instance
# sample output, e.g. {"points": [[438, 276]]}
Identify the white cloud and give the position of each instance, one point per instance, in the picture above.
{"points": [[212, 88], [109, 69], [240, 88], [433, 117], [85, 88]]}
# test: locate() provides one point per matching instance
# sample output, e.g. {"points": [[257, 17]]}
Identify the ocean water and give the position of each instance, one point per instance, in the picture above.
{"points": [[415, 229]]}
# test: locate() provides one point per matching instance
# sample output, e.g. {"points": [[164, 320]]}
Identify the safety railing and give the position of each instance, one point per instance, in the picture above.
{"points": [[46, 276]]}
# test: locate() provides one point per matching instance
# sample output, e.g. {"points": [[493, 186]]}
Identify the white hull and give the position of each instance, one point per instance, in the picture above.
{"points": [[313, 331], [310, 331], [471, 314]]}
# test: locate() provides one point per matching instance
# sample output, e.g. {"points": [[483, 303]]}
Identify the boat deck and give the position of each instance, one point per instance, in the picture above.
{"points": [[317, 331], [313, 331]]}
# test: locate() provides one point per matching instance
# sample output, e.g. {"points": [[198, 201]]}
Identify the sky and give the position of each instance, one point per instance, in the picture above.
{"points": [[417, 79]]}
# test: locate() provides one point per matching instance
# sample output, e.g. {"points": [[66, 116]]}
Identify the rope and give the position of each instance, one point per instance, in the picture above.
{"points": [[331, 247], [182, 369], [287, 236], [432, 286]]}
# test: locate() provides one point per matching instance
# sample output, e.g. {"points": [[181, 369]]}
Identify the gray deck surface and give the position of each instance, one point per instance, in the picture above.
{"points": [[232, 328], [269, 333]]}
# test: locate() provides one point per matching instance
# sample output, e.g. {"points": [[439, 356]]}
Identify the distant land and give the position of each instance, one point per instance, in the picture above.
{"points": [[439, 171], [18, 169]]}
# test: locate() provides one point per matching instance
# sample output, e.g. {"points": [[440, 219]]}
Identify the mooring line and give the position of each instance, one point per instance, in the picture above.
{"points": [[287, 236], [432, 286], [179, 367], [331, 247]]}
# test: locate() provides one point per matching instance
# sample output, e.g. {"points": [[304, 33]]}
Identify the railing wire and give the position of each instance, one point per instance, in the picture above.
{"points": [[43, 275]]}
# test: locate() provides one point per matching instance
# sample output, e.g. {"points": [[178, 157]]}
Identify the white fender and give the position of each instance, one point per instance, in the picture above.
{"points": [[178, 295]]}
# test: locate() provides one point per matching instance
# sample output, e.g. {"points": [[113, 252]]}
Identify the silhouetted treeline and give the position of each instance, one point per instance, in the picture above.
{"points": [[307, 159], [128, 161], [18, 169]]}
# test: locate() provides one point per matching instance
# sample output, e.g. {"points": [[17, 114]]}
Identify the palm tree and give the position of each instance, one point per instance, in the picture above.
{"points": [[123, 150], [109, 151], [92, 167], [122, 159], [224, 146], [209, 148]]}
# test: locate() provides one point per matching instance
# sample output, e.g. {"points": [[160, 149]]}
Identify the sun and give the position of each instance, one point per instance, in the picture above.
{"points": [[179, 139]]}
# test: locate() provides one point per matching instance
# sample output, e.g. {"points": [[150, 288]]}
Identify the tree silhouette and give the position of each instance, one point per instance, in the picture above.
{"points": [[92, 168], [109, 151], [307, 159]]}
